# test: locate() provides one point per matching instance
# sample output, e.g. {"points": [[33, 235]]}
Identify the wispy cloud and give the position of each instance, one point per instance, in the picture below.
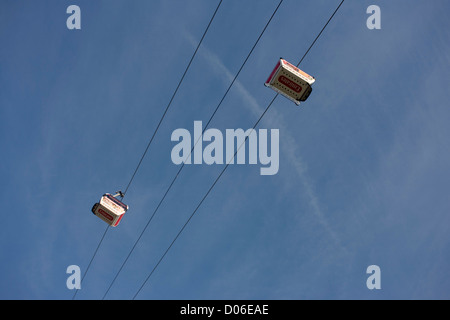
{"points": [[291, 153]]}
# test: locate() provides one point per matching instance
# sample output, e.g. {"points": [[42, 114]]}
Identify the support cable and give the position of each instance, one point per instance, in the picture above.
{"points": [[222, 172], [182, 166], [154, 133]]}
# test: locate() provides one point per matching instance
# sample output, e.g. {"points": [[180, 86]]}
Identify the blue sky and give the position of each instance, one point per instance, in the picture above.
{"points": [[364, 163]]}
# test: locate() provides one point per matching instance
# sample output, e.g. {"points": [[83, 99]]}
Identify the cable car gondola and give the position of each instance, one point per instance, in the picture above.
{"points": [[110, 209], [290, 81]]}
